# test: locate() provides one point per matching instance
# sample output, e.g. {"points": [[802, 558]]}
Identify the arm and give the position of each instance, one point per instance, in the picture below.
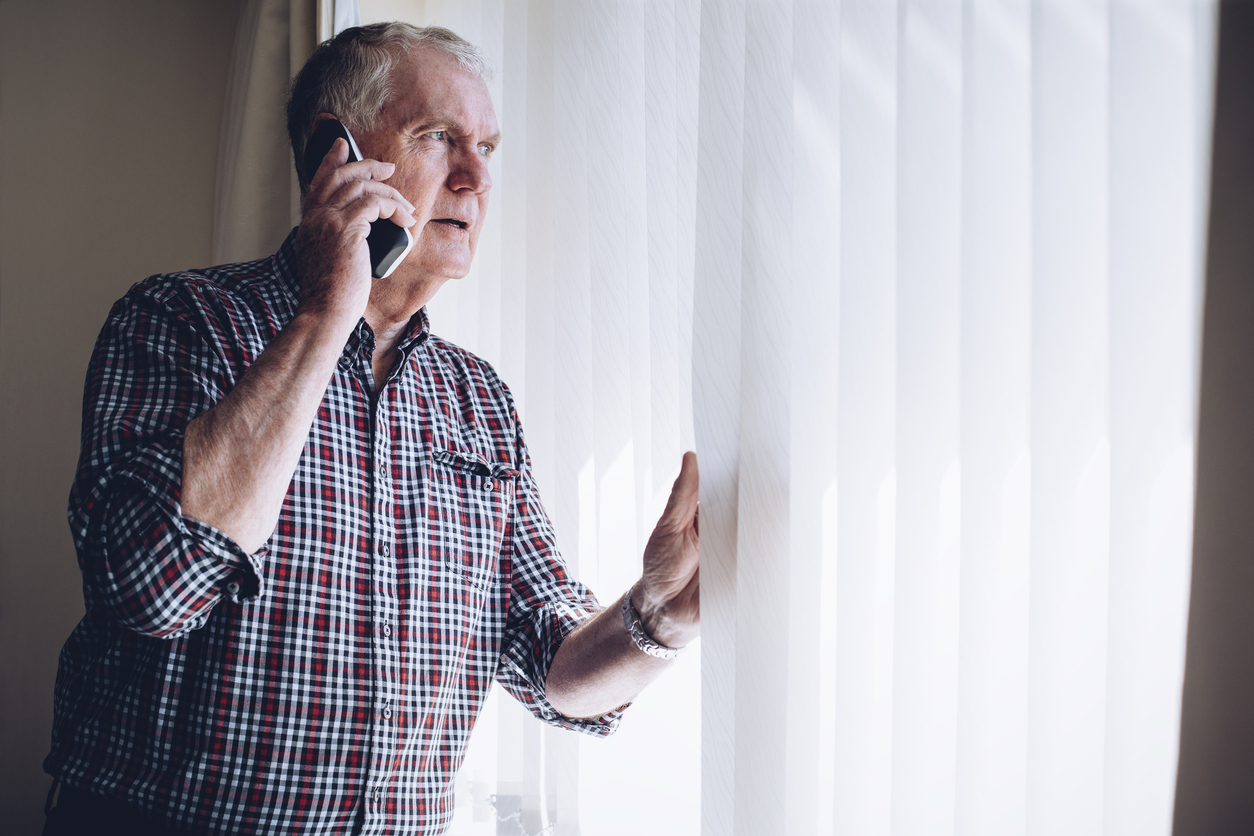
{"points": [[168, 512], [598, 667], [239, 457]]}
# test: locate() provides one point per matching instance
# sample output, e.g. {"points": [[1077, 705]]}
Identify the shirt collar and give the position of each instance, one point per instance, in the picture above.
{"points": [[417, 332]]}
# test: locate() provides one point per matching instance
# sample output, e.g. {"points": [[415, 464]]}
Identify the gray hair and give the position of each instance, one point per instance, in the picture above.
{"points": [[351, 76]]}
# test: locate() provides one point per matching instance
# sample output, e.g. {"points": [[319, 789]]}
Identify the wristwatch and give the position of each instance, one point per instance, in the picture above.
{"points": [[631, 620]]}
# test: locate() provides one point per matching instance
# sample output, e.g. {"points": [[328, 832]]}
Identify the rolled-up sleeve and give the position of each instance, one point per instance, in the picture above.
{"points": [[546, 604], [156, 571]]}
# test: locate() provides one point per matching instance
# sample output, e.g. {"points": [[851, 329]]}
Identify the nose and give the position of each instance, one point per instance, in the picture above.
{"points": [[470, 172]]}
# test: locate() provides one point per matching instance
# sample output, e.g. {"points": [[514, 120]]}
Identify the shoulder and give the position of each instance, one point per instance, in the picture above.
{"points": [[468, 368], [253, 290], [226, 314], [214, 321]]}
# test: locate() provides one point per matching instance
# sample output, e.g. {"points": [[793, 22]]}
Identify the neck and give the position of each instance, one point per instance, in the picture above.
{"points": [[391, 307]]}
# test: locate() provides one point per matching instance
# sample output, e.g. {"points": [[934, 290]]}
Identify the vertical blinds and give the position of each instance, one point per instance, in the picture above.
{"points": [[920, 281]]}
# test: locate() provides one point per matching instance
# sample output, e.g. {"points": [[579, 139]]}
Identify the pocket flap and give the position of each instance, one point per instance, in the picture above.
{"points": [[467, 462]]}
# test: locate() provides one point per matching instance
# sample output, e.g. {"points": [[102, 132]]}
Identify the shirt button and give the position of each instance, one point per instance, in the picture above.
{"points": [[490, 485], [345, 362], [387, 629], [384, 550], [378, 793], [232, 588], [387, 714]]}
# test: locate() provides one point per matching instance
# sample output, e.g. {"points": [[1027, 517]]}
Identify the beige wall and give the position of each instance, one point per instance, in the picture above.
{"points": [[109, 121]]}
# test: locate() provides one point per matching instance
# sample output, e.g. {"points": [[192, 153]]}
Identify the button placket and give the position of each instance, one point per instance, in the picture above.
{"points": [[385, 604]]}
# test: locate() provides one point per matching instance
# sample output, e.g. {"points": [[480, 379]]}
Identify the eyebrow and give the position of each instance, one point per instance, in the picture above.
{"points": [[432, 123]]}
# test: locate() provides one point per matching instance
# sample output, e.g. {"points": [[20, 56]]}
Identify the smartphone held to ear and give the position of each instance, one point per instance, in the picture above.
{"points": [[388, 243]]}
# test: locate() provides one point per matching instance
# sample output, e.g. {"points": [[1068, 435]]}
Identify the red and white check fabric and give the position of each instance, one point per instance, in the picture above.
{"points": [[345, 662]]}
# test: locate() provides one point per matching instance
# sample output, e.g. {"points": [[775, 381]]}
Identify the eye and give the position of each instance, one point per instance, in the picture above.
{"points": [[438, 136], [486, 150]]}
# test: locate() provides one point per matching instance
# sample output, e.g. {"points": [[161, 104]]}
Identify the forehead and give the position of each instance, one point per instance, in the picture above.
{"points": [[428, 84]]}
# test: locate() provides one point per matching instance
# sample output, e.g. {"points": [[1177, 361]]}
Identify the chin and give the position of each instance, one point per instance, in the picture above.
{"points": [[446, 269]]}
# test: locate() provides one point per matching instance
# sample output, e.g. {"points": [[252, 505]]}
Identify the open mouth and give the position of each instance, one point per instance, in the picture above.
{"points": [[451, 222]]}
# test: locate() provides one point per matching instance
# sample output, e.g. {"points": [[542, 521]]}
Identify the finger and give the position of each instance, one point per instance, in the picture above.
{"points": [[367, 170], [681, 507], [370, 207], [334, 159], [354, 190], [334, 174], [379, 170]]}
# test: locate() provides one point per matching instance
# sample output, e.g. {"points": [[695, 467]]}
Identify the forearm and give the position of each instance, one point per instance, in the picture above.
{"points": [[239, 457], [599, 668]]}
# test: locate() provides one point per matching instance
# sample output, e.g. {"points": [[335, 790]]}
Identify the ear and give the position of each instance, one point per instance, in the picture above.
{"points": [[319, 119]]}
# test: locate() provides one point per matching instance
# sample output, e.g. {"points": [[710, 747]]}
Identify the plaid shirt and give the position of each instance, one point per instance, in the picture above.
{"points": [[346, 661]]}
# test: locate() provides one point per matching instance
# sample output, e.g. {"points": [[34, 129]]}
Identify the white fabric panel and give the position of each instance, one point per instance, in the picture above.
{"points": [[991, 763], [540, 220], [814, 317], [1070, 418], [767, 284], [716, 391], [574, 506], [1154, 248], [614, 460], [574, 503], [512, 195], [866, 528], [687, 91], [661, 172], [925, 630]]}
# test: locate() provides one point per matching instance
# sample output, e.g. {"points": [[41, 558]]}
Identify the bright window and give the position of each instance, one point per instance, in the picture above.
{"points": [[920, 281]]}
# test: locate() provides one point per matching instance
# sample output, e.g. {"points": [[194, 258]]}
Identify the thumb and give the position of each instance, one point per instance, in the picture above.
{"points": [[681, 507]]}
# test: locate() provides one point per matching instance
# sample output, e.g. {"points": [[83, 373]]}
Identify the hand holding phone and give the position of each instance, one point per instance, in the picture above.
{"points": [[388, 243]]}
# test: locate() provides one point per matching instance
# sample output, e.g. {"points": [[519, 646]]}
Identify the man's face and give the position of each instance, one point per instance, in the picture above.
{"points": [[439, 129]]}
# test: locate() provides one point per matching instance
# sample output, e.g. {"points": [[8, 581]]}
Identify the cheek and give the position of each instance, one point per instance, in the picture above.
{"points": [[423, 199], [483, 213], [416, 188]]}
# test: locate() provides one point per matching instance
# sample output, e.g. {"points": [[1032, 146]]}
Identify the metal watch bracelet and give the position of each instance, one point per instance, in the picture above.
{"points": [[631, 620]]}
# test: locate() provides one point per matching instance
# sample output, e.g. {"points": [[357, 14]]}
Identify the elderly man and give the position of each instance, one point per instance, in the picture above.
{"points": [[308, 529]]}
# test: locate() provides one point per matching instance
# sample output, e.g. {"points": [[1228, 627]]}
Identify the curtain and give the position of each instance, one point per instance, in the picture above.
{"points": [[258, 197], [920, 281]]}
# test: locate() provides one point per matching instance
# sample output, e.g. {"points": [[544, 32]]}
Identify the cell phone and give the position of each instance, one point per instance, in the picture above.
{"points": [[388, 243]]}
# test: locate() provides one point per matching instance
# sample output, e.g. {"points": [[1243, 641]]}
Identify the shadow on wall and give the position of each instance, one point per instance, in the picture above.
{"points": [[109, 127], [1215, 784]]}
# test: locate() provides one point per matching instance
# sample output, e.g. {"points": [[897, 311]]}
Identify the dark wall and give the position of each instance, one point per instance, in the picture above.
{"points": [[1215, 784], [109, 124]]}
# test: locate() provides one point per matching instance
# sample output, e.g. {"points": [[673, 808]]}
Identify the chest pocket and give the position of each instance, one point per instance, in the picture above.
{"points": [[473, 499]]}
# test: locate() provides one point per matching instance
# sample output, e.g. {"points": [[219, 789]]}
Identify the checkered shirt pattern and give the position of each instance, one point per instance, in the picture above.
{"points": [[345, 662]]}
